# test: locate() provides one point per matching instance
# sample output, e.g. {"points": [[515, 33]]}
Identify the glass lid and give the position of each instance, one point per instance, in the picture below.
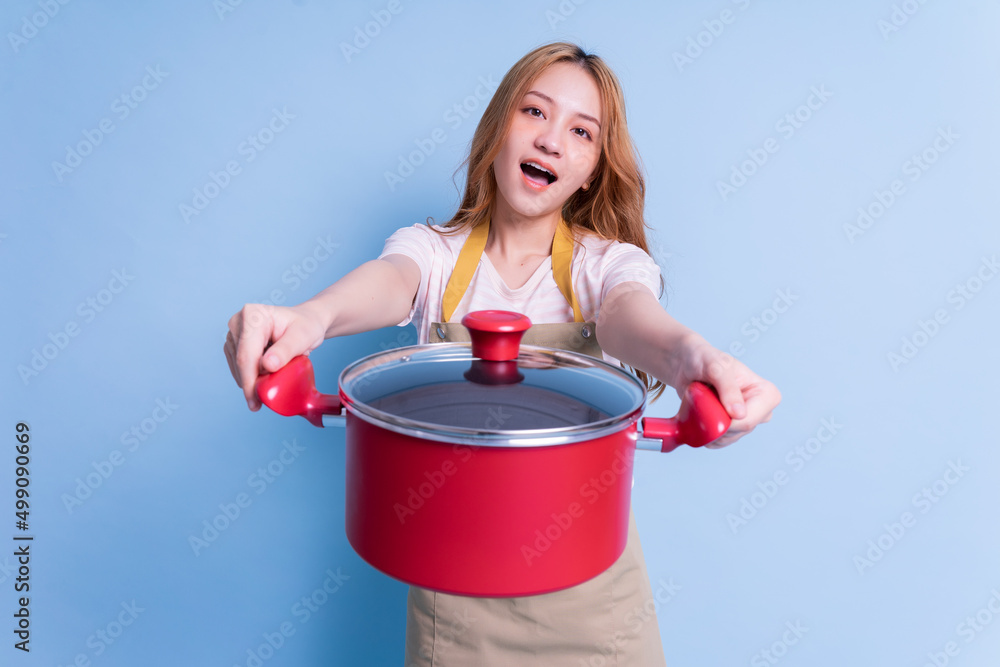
{"points": [[523, 395]]}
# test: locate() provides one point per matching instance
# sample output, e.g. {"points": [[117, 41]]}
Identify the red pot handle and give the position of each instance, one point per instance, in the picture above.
{"points": [[291, 390], [700, 420]]}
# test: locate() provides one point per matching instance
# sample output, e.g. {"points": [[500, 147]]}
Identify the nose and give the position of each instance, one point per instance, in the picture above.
{"points": [[548, 140]]}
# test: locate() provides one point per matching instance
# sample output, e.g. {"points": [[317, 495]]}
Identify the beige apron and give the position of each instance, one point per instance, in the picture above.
{"points": [[603, 622]]}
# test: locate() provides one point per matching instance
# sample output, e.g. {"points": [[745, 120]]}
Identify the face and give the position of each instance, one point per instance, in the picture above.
{"points": [[554, 142]]}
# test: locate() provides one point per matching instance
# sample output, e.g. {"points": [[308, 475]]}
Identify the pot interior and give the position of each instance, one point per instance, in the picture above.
{"points": [[506, 407]]}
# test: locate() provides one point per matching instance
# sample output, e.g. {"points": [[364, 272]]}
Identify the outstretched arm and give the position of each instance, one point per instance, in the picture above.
{"points": [[634, 328], [263, 338]]}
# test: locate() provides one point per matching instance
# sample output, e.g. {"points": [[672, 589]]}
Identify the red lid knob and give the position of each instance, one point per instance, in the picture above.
{"points": [[496, 334]]}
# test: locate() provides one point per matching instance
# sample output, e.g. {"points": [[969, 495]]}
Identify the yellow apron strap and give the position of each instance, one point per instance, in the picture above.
{"points": [[465, 268], [472, 250], [562, 265]]}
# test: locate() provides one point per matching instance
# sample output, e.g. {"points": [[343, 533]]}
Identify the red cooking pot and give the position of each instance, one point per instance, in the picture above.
{"points": [[490, 469]]}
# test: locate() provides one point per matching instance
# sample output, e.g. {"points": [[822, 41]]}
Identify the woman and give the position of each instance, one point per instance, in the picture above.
{"points": [[551, 225]]}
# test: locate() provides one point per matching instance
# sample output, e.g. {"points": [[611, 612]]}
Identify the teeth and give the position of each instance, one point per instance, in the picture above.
{"points": [[538, 166]]}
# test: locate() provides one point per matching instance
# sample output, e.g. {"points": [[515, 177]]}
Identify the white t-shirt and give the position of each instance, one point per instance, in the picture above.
{"points": [[598, 266]]}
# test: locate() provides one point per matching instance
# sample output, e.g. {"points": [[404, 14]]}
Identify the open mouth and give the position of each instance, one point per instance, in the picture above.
{"points": [[538, 174]]}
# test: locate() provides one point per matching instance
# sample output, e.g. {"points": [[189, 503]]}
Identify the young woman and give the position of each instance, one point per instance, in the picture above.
{"points": [[551, 225]]}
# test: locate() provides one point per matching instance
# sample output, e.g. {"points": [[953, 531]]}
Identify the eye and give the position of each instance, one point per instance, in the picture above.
{"points": [[531, 112], [583, 132]]}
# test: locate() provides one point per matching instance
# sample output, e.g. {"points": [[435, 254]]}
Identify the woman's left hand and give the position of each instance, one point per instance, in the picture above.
{"points": [[748, 398]]}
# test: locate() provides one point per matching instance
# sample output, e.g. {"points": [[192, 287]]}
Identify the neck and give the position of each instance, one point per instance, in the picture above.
{"points": [[513, 235]]}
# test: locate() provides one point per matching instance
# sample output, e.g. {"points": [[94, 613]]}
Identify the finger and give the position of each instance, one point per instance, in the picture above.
{"points": [[257, 325], [755, 404], [723, 441], [288, 344], [232, 336], [761, 398], [738, 428], [731, 397], [236, 323], [760, 405], [722, 376], [229, 349], [728, 438]]}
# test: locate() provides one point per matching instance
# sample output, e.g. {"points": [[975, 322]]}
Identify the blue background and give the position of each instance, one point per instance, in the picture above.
{"points": [[899, 426]]}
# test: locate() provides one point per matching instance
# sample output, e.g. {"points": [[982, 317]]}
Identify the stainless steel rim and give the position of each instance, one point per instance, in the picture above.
{"points": [[488, 437]]}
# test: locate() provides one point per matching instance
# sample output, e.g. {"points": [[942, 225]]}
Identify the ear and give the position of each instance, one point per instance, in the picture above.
{"points": [[596, 171]]}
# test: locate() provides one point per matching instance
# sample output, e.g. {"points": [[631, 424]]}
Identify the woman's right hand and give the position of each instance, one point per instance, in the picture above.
{"points": [[262, 338]]}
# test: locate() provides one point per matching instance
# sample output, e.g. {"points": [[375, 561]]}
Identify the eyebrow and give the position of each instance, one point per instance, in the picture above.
{"points": [[552, 101]]}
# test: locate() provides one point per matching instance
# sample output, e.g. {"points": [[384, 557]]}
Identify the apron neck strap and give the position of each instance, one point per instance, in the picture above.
{"points": [[562, 266], [465, 267], [472, 251]]}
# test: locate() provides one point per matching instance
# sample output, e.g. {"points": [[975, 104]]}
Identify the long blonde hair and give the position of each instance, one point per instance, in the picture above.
{"points": [[612, 206]]}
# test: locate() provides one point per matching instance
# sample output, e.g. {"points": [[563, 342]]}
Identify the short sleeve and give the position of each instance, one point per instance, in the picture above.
{"points": [[624, 262], [416, 243]]}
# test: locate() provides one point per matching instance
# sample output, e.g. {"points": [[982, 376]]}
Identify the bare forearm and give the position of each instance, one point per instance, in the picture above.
{"points": [[634, 328], [377, 294]]}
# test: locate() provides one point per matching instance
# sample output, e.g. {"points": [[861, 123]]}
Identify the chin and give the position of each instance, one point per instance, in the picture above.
{"points": [[534, 208], [531, 203]]}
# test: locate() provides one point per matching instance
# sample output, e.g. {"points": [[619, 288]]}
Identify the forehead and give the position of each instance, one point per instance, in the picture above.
{"points": [[571, 87]]}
